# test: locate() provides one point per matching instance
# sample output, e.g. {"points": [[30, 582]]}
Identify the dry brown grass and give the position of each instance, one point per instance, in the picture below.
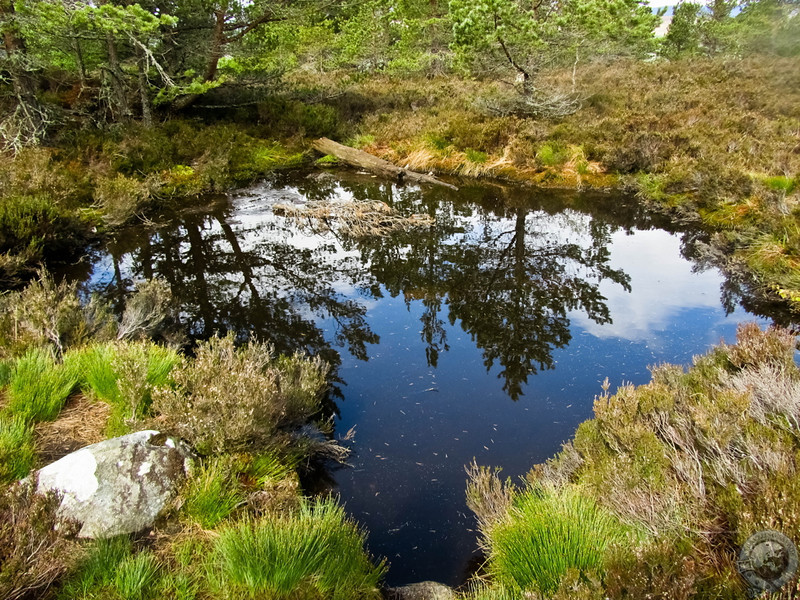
{"points": [[81, 422]]}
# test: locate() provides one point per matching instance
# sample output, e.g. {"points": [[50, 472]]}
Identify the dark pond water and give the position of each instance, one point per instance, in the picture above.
{"points": [[484, 335]]}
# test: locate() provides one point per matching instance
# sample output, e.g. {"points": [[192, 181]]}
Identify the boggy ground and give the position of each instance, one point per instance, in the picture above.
{"points": [[715, 142]]}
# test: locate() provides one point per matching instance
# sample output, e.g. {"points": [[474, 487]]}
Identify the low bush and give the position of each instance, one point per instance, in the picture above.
{"points": [[249, 389], [47, 313], [317, 553]]}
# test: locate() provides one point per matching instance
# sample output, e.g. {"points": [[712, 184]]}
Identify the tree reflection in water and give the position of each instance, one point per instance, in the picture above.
{"points": [[507, 269]]}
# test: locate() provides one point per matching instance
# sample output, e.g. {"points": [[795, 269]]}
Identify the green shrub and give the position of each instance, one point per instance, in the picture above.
{"points": [[248, 389], [316, 553], [16, 449], [39, 386], [120, 197], [547, 533]]}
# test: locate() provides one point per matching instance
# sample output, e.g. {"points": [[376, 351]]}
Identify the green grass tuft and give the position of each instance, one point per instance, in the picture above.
{"points": [[5, 372], [39, 387], [124, 374], [137, 577], [213, 493], [95, 576], [547, 533], [16, 449], [317, 553]]}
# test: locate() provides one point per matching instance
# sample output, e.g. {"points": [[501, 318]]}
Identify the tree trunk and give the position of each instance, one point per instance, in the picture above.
{"points": [[144, 91], [373, 164], [120, 107], [30, 115]]}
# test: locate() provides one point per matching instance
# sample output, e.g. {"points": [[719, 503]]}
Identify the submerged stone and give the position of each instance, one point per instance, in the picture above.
{"points": [[118, 486]]}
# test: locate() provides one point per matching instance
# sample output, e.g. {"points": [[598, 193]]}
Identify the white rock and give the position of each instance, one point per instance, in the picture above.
{"points": [[121, 485]]}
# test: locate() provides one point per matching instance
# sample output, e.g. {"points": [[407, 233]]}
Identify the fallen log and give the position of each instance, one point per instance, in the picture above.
{"points": [[373, 164]]}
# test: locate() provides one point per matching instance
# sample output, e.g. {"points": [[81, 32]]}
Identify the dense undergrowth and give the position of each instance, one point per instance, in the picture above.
{"points": [[241, 505], [659, 491]]}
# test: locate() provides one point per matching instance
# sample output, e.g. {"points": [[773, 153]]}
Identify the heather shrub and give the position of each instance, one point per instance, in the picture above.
{"points": [[33, 554], [47, 313], [248, 389]]}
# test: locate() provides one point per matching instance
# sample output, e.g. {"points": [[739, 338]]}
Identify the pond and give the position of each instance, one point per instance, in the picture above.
{"points": [[484, 332]]}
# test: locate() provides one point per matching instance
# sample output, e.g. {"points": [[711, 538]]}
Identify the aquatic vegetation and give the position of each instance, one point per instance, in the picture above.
{"points": [[317, 552]]}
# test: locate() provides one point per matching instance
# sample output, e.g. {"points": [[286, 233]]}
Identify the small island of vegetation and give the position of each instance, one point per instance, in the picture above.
{"points": [[112, 112]]}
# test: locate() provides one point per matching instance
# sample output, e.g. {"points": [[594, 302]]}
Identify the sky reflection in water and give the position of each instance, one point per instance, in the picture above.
{"points": [[486, 335]]}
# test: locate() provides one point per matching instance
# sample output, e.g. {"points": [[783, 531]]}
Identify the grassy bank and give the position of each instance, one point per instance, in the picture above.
{"points": [[73, 373], [673, 477], [713, 142]]}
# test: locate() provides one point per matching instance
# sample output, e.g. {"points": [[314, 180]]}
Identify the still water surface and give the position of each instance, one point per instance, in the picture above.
{"points": [[484, 335]]}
